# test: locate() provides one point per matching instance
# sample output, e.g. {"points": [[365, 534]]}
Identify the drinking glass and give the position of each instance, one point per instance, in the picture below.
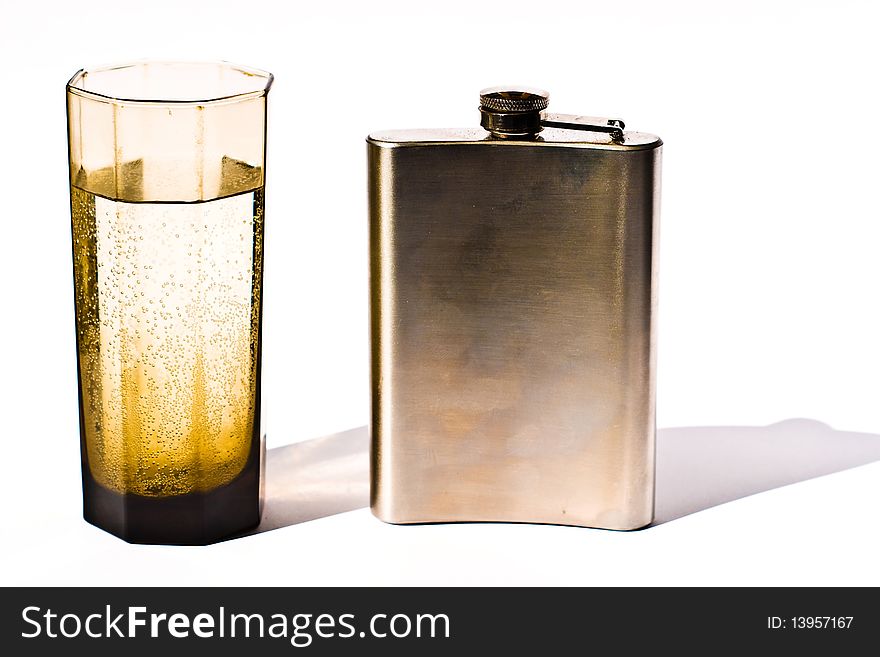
{"points": [[167, 163]]}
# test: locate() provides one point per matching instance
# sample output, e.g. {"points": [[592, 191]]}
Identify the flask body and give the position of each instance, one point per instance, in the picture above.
{"points": [[513, 288]]}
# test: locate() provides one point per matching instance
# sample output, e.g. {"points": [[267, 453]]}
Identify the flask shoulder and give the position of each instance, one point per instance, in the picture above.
{"points": [[549, 138], [427, 136]]}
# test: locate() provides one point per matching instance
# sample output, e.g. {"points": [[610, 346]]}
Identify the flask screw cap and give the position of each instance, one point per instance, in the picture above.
{"points": [[509, 111]]}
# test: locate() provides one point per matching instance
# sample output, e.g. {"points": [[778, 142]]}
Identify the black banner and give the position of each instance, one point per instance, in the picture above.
{"points": [[402, 621]]}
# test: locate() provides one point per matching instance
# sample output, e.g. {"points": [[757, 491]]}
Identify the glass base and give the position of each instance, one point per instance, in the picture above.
{"points": [[191, 519]]}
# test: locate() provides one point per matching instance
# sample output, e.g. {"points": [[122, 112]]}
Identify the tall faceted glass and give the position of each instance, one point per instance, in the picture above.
{"points": [[167, 165]]}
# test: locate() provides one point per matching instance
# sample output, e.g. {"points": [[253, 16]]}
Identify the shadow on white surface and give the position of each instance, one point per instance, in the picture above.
{"points": [[316, 478], [702, 467], [697, 468]]}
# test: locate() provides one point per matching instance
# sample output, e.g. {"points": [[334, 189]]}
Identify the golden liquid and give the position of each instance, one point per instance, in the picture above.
{"points": [[167, 318]]}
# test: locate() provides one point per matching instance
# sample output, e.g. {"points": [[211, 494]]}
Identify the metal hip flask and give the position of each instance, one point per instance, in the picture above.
{"points": [[513, 295]]}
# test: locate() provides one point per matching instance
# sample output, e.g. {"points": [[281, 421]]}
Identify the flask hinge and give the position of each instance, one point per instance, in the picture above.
{"points": [[613, 127]]}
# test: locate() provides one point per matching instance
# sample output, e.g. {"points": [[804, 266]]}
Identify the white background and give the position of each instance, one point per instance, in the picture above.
{"points": [[770, 279]]}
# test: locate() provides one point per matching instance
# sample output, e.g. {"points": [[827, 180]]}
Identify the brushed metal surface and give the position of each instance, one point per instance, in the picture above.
{"points": [[513, 291]]}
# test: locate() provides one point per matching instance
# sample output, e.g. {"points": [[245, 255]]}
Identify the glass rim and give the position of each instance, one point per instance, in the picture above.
{"points": [[249, 71]]}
